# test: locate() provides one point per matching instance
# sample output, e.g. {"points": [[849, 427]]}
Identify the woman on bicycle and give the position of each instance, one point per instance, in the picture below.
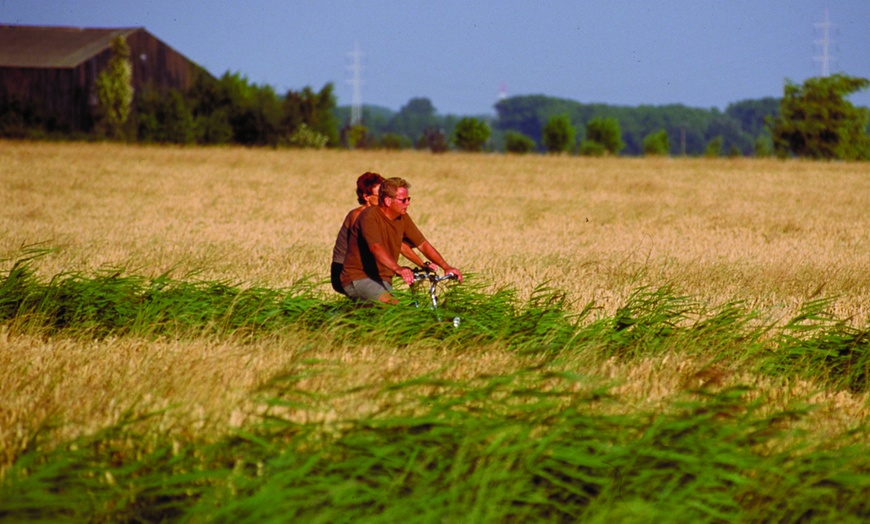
{"points": [[367, 191]]}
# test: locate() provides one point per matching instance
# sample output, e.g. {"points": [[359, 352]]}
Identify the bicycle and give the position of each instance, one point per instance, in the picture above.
{"points": [[429, 274]]}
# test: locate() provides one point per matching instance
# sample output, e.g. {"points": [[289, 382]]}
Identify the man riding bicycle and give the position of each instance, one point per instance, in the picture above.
{"points": [[375, 243]]}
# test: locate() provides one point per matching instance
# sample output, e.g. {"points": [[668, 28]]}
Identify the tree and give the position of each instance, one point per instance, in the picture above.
{"points": [[528, 114], [114, 89], [253, 113], [471, 134], [729, 130], [690, 128], [433, 138], [211, 108], [605, 131], [231, 109], [752, 114], [657, 143], [516, 142], [714, 147], [414, 118], [394, 141], [314, 111], [763, 146], [20, 119], [353, 137], [164, 118], [815, 120], [558, 134]]}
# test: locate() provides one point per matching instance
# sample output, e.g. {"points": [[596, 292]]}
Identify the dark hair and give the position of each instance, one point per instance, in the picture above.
{"points": [[390, 188], [365, 185]]}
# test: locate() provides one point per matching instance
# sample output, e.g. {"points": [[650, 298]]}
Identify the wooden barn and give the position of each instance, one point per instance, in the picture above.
{"points": [[54, 69]]}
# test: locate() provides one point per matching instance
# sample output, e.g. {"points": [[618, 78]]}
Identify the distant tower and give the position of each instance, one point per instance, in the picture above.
{"points": [[824, 44], [356, 80], [502, 91]]}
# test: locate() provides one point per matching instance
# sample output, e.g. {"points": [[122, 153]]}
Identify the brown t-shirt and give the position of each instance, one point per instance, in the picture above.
{"points": [[373, 227], [339, 251]]}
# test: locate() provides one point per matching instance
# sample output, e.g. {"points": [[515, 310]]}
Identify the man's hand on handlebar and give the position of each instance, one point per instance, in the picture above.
{"points": [[428, 273], [454, 271], [407, 274]]}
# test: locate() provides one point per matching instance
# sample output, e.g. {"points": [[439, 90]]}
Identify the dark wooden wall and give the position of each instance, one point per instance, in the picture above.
{"points": [[66, 96]]}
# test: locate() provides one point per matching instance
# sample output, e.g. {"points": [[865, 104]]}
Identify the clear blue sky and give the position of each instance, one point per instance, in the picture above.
{"points": [[459, 53]]}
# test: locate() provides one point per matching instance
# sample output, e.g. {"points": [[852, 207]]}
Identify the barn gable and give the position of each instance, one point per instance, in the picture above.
{"points": [[55, 68]]}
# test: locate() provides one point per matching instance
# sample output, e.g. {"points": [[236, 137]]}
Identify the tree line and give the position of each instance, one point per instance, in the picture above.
{"points": [[812, 120]]}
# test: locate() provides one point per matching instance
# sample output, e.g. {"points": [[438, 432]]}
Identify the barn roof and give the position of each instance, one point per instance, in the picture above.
{"points": [[53, 47]]}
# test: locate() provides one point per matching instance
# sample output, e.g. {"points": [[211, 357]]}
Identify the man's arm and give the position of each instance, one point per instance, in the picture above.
{"points": [[433, 255], [383, 257], [408, 252]]}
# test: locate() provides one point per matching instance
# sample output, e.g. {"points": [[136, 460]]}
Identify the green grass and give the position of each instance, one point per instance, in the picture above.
{"points": [[812, 345], [542, 443], [491, 450]]}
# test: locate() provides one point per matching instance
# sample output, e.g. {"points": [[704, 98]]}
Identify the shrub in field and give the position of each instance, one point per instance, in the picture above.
{"points": [[592, 148], [714, 147], [306, 137], [516, 142], [471, 134], [605, 131], [558, 134], [763, 146], [166, 118], [394, 141], [657, 143]]}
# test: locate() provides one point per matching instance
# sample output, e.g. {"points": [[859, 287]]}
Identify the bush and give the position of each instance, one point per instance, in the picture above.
{"points": [[763, 146], [516, 142], [164, 118], [657, 143], [394, 141], [434, 139], [215, 128], [605, 131], [592, 148], [714, 147], [305, 137], [355, 137], [20, 119], [471, 134], [558, 134]]}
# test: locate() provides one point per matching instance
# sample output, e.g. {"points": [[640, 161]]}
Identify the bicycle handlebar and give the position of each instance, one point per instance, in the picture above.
{"points": [[429, 274]]}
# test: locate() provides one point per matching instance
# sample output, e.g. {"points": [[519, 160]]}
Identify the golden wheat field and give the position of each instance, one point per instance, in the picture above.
{"points": [[772, 233]]}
